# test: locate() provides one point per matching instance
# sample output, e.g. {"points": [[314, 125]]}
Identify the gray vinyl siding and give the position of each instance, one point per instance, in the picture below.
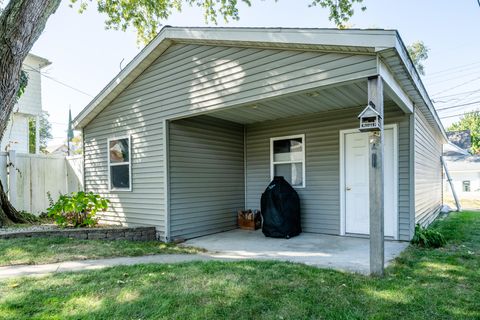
{"points": [[206, 176], [320, 199], [144, 204], [428, 170], [188, 79], [185, 80]]}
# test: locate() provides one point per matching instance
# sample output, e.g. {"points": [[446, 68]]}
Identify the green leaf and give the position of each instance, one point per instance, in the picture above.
{"points": [[77, 209], [146, 16]]}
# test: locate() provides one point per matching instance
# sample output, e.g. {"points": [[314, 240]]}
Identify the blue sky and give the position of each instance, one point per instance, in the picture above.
{"points": [[86, 57]]}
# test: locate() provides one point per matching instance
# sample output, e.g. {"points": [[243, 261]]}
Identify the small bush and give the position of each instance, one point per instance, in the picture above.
{"points": [[428, 238], [77, 209]]}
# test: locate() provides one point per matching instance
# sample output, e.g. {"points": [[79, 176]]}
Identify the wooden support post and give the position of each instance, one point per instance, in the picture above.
{"points": [[377, 245]]}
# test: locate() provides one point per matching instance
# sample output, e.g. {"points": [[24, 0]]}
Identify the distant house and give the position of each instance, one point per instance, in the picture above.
{"points": [[62, 149], [57, 149], [197, 125], [464, 169], [16, 136]]}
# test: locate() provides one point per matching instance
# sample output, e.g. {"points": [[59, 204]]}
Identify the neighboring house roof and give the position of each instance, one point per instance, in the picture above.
{"points": [[463, 163], [451, 149], [462, 139], [62, 148], [386, 43], [57, 149], [39, 61]]}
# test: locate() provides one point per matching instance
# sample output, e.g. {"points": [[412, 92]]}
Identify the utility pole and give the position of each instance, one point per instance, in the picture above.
{"points": [[69, 131]]}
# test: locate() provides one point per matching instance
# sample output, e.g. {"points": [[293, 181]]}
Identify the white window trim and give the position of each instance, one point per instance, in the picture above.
{"points": [[304, 162], [120, 163]]}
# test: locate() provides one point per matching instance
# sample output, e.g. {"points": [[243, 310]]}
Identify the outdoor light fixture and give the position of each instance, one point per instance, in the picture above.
{"points": [[313, 94], [370, 119]]}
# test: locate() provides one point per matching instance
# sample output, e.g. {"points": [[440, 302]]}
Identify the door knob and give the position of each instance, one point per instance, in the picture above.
{"points": [[348, 188]]}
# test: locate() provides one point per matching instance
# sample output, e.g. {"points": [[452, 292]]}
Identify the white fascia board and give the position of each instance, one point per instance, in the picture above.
{"points": [[133, 69], [394, 89], [327, 37]]}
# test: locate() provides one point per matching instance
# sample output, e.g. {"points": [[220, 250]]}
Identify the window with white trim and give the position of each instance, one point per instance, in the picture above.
{"points": [[119, 164], [287, 159]]}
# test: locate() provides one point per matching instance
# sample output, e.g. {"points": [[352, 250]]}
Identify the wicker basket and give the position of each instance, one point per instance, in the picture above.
{"points": [[249, 220]]}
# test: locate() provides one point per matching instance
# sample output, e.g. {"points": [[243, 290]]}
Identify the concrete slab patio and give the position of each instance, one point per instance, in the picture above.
{"points": [[340, 253]]}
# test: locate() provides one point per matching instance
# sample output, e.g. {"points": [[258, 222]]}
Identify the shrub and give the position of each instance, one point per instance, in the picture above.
{"points": [[77, 209], [428, 238]]}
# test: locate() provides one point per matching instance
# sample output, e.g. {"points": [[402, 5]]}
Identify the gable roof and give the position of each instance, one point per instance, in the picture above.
{"points": [[386, 43], [368, 109], [451, 149]]}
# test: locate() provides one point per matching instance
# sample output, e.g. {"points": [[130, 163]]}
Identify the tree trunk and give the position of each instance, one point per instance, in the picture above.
{"points": [[21, 23], [8, 214]]}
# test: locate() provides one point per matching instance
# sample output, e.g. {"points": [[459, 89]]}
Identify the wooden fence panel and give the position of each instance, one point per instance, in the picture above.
{"points": [[74, 173], [38, 174], [20, 197]]}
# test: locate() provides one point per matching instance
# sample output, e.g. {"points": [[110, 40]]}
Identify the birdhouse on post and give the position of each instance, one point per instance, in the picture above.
{"points": [[370, 119]]}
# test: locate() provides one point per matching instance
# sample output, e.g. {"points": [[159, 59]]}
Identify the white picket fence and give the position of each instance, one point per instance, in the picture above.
{"points": [[28, 178]]}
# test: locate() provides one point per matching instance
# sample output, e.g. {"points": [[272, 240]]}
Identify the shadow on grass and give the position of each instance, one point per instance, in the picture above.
{"points": [[50, 250], [421, 284]]}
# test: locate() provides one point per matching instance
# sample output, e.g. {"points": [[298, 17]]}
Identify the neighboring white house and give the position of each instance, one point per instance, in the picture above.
{"points": [[57, 149], [16, 136], [465, 174], [464, 170]]}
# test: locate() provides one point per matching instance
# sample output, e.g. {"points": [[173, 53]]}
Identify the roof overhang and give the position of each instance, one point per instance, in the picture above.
{"points": [[368, 41], [409, 79]]}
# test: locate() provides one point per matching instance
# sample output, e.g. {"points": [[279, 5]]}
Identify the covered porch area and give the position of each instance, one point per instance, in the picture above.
{"points": [[221, 162], [319, 250]]}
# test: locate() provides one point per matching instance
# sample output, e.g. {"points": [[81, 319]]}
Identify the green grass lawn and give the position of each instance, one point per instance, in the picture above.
{"points": [[422, 284], [49, 250]]}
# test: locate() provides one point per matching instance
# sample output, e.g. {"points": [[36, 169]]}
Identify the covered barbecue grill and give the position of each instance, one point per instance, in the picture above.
{"points": [[280, 207]]}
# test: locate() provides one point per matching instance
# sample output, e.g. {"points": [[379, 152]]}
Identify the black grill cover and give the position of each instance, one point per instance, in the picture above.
{"points": [[280, 210]]}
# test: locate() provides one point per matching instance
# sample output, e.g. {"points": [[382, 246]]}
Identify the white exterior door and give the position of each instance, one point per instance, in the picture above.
{"points": [[357, 183]]}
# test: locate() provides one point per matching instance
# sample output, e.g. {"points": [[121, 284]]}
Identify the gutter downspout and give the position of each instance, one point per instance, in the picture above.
{"points": [[166, 179]]}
